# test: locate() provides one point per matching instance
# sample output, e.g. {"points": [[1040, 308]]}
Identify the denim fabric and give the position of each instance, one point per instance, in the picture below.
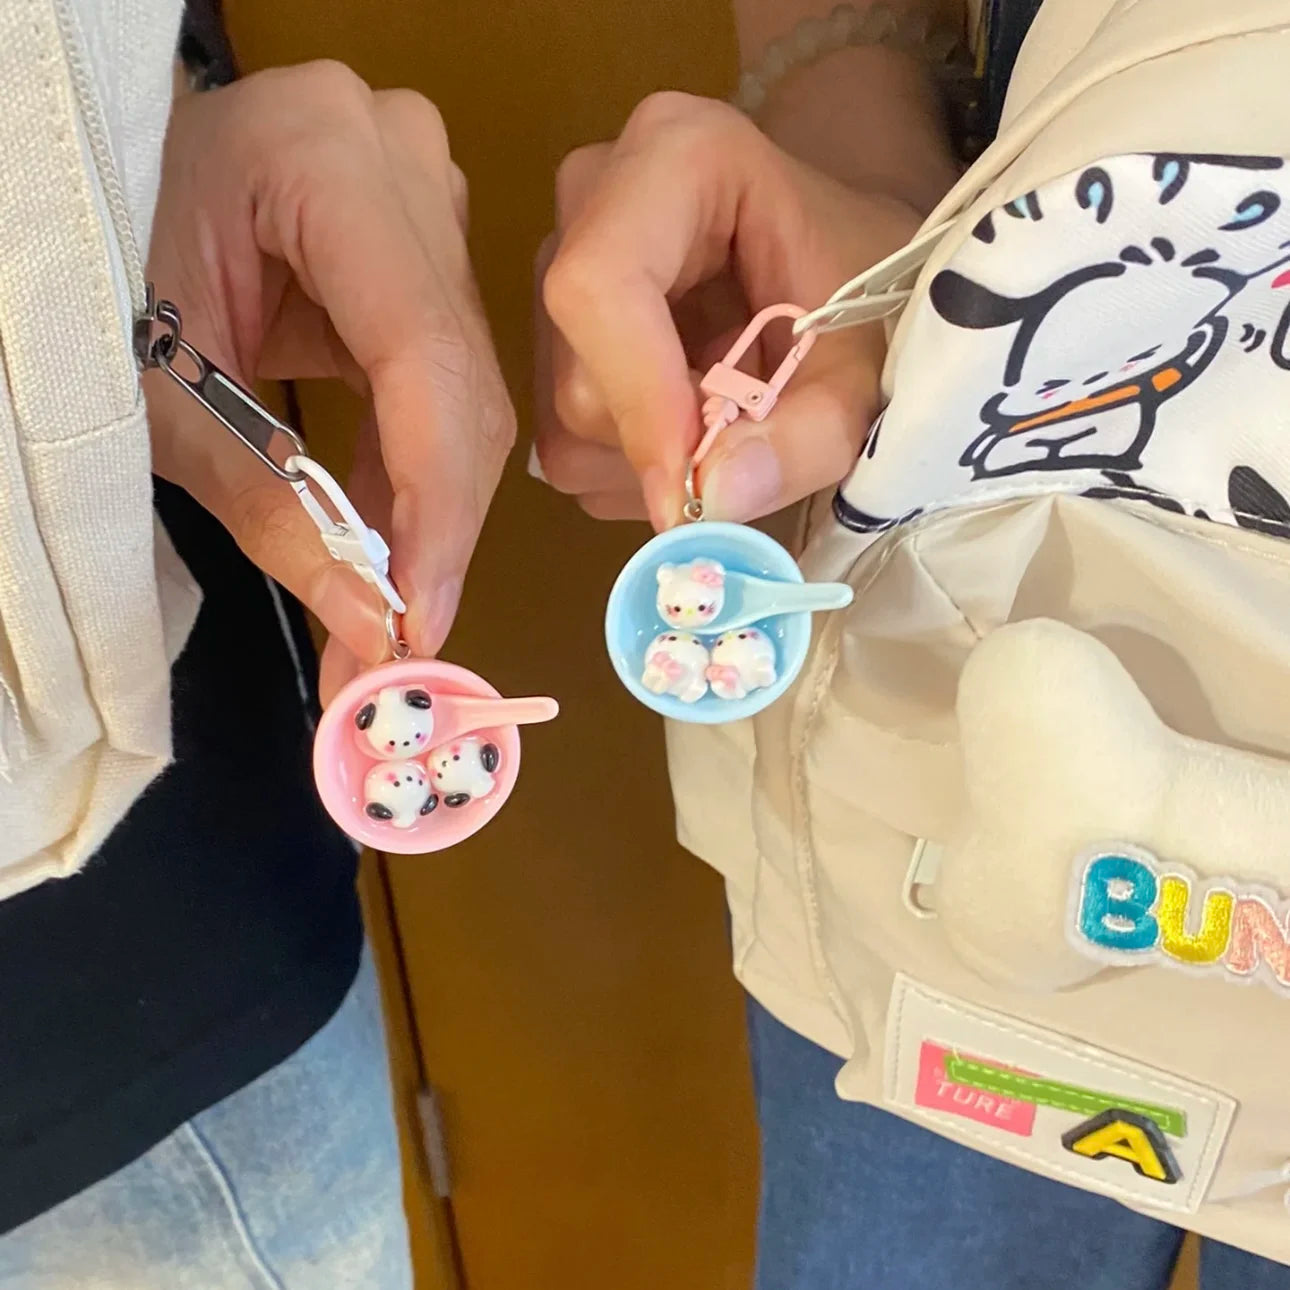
{"points": [[1007, 24], [292, 1183]]}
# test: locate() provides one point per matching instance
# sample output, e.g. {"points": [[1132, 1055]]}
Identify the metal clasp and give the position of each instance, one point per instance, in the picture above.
{"points": [[347, 538], [234, 407], [732, 392]]}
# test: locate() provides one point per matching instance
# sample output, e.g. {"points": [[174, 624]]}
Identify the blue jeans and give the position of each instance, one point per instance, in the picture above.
{"points": [[854, 1198], [292, 1183]]}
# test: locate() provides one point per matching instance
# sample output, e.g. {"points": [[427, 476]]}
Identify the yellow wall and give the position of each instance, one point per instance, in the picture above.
{"points": [[567, 971]]}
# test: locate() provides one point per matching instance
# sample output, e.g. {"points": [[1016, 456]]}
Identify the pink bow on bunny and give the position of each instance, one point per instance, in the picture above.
{"points": [[708, 575]]}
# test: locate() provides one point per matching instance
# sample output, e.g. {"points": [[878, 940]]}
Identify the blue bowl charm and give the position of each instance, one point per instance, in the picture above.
{"points": [[711, 622]]}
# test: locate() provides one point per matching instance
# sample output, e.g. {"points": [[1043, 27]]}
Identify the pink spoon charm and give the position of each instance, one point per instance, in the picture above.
{"points": [[456, 716]]}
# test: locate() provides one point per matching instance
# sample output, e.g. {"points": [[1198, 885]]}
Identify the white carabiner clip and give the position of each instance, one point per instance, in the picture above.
{"points": [[347, 539]]}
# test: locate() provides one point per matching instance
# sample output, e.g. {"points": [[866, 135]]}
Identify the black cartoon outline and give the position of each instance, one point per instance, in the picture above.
{"points": [[1278, 349], [964, 303], [1067, 436], [1256, 504]]}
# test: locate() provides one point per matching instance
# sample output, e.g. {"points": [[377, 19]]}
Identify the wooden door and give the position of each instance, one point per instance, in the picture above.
{"points": [[565, 982]]}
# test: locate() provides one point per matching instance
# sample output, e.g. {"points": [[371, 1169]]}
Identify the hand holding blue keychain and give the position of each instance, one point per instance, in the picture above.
{"points": [[711, 622]]}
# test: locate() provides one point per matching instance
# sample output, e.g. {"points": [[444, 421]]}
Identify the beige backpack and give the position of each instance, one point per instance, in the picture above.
{"points": [[1017, 845]]}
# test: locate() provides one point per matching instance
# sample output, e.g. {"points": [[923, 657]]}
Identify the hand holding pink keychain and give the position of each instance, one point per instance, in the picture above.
{"points": [[414, 755]]}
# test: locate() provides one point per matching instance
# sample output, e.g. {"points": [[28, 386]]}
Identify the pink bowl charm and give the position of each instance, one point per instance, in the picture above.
{"points": [[447, 743]]}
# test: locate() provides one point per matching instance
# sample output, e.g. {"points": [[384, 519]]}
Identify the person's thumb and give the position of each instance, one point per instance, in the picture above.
{"points": [[807, 443]]}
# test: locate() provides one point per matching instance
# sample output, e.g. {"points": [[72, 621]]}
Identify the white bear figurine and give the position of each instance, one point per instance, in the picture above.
{"points": [[676, 663], [397, 722], [742, 661], [691, 595], [464, 769], [398, 793]]}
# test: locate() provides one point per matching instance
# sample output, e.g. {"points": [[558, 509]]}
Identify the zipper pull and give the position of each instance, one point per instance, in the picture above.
{"points": [[159, 342], [234, 407]]}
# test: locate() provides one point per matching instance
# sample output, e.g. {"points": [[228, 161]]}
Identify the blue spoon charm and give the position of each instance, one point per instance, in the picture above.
{"points": [[728, 600]]}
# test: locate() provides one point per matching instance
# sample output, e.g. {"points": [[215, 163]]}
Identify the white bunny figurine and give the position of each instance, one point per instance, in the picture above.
{"points": [[691, 595], [742, 661], [676, 663]]}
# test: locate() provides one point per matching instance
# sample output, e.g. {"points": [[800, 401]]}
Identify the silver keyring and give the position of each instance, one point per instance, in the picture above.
{"points": [[693, 509], [398, 645], [233, 406]]}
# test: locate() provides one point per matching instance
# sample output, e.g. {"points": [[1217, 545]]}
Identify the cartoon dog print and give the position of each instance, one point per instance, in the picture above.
{"points": [[1256, 503], [1081, 386]]}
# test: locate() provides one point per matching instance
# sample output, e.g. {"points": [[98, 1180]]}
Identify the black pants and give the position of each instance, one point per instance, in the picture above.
{"points": [[215, 931]]}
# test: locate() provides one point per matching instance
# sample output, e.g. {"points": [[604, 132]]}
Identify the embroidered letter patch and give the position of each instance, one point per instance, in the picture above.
{"points": [[1127, 907], [1071, 1111]]}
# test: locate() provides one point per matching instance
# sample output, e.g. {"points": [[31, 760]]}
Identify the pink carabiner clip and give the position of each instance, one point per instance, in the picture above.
{"points": [[731, 391]]}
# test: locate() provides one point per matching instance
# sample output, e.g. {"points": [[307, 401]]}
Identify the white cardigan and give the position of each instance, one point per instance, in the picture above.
{"points": [[94, 603]]}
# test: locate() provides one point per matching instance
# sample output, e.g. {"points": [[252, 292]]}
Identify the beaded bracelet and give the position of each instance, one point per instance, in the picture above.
{"points": [[876, 25]]}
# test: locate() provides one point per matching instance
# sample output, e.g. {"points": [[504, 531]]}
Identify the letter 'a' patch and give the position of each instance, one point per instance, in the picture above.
{"points": [[1125, 1135], [1076, 1113]]}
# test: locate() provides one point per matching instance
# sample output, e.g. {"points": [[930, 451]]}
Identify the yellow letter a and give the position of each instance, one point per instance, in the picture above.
{"points": [[1125, 1135]]}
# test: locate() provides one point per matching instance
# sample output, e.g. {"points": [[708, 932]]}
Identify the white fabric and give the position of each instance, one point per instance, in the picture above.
{"points": [[1095, 334], [94, 604]]}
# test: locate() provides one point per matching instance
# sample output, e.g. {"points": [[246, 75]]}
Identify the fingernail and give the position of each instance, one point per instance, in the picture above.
{"points": [[745, 483], [535, 465], [664, 506], [430, 617]]}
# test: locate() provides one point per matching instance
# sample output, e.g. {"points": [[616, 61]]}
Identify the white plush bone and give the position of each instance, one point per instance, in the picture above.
{"points": [[1061, 752]]}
